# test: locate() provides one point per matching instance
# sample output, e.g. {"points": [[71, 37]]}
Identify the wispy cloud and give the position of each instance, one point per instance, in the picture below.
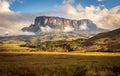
{"points": [[68, 1], [83, 27], [46, 29], [68, 29], [20, 1], [100, 0], [9, 1]]}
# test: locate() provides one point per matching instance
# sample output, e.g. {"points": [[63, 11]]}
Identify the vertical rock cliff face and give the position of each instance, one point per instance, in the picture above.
{"points": [[60, 23], [53, 21]]}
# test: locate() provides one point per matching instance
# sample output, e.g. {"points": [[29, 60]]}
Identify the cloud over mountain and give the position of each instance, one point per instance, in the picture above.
{"points": [[104, 18]]}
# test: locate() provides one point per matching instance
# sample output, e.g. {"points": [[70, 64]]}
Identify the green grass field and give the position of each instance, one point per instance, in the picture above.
{"points": [[59, 64]]}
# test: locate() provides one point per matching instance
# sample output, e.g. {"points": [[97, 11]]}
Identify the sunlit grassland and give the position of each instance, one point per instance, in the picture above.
{"points": [[65, 53], [13, 47], [59, 64]]}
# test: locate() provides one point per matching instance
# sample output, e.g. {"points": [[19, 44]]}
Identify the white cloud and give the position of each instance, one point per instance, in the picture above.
{"points": [[28, 33], [100, 0], [79, 7], [112, 19], [83, 27], [46, 29], [68, 29], [9, 1], [68, 10], [68, 1], [100, 15], [4, 7], [12, 22]]}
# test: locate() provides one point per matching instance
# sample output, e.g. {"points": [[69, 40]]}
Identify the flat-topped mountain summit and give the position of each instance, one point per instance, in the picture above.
{"points": [[42, 23]]}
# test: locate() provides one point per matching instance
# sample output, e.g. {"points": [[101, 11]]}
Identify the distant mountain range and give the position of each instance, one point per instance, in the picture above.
{"points": [[55, 25]]}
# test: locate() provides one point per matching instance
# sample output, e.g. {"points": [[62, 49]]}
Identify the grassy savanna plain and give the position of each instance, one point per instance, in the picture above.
{"points": [[19, 61], [59, 64]]}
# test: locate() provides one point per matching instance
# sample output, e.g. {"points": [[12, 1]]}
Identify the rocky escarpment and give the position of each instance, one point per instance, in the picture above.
{"points": [[60, 23]]}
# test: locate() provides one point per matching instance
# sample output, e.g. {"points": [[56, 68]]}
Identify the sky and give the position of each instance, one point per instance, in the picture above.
{"points": [[16, 14]]}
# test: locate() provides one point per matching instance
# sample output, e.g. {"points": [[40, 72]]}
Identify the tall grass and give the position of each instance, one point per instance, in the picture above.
{"points": [[19, 64]]}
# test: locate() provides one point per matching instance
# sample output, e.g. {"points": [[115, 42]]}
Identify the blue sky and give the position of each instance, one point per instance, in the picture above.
{"points": [[44, 5]]}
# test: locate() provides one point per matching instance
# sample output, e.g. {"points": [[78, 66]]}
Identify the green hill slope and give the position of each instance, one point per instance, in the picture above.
{"points": [[107, 41], [107, 37]]}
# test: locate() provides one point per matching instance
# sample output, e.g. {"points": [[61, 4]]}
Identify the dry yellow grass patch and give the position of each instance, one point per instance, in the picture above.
{"points": [[68, 53]]}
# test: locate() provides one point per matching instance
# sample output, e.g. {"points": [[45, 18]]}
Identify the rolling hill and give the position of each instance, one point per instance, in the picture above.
{"points": [[106, 41]]}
